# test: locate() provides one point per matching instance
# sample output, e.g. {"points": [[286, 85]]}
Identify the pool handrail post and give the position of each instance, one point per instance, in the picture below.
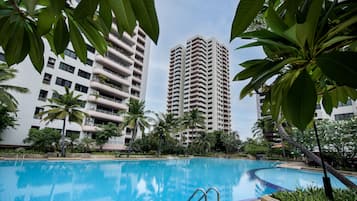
{"points": [[196, 191], [325, 178]]}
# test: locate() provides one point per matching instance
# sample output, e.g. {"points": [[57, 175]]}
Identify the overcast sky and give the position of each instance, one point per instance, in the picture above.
{"points": [[180, 20]]}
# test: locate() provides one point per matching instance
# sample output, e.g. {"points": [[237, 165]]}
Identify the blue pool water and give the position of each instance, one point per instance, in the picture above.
{"points": [[146, 180]]}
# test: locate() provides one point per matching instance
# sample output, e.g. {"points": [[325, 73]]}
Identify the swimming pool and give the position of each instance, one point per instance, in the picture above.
{"points": [[144, 180]]}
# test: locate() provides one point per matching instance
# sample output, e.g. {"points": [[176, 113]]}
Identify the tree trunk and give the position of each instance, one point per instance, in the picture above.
{"points": [[62, 138], [316, 159], [133, 136], [159, 147]]}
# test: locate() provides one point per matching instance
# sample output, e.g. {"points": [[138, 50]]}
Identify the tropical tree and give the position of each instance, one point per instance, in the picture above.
{"points": [[24, 26], [310, 49], [192, 120], [86, 144], [65, 107], [205, 142], [230, 142], [106, 131], [7, 119], [6, 99], [164, 125], [135, 119], [73, 138], [46, 139]]}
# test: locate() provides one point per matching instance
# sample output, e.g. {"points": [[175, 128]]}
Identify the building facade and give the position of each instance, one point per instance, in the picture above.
{"points": [[344, 111], [105, 83], [199, 79]]}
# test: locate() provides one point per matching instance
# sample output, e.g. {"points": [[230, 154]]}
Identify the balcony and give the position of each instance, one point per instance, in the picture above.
{"points": [[112, 64], [112, 89], [120, 43], [119, 58], [107, 101], [103, 114], [112, 75]]}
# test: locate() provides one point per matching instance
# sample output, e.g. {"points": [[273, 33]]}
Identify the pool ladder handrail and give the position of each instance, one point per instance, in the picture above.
{"points": [[205, 193]]}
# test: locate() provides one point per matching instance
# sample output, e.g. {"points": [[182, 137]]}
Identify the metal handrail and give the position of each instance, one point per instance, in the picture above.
{"points": [[211, 189], [196, 191]]}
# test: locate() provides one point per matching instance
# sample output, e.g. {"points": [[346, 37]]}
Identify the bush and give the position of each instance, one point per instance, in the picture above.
{"points": [[46, 140], [315, 194]]}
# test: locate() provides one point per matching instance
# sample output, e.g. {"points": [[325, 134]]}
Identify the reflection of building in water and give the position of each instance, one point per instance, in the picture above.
{"points": [[124, 180]]}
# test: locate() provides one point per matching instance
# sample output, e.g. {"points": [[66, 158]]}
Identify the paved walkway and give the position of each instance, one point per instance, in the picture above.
{"points": [[303, 166]]}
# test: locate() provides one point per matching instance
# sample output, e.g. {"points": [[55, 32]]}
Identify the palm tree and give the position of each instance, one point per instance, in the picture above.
{"points": [[135, 119], [165, 124], [64, 107], [6, 99], [192, 120]]}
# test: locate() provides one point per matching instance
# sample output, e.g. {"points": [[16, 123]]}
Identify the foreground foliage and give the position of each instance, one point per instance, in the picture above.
{"points": [[25, 24], [6, 99], [7, 119], [315, 194], [310, 49]]}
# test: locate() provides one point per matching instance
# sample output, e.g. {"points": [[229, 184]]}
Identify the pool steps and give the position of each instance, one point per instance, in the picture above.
{"points": [[204, 192]]}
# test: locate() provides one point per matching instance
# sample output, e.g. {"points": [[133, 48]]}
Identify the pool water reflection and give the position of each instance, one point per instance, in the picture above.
{"points": [[146, 180]]}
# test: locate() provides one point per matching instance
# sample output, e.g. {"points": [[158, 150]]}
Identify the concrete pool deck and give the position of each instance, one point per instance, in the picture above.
{"points": [[303, 166]]}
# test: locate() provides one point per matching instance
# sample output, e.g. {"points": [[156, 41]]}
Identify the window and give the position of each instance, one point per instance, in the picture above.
{"points": [[90, 48], [63, 82], [43, 95], [89, 62], [81, 88], [66, 67], [37, 111], [349, 102], [82, 103], [345, 116], [83, 74], [70, 53], [2, 57], [51, 62], [47, 78]]}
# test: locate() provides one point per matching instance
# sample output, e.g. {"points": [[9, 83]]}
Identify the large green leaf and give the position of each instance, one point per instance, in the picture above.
{"points": [[85, 8], [14, 49], [124, 15], [77, 41], [106, 13], [300, 102], [246, 11], [307, 31], [45, 20], [60, 36], [327, 103], [30, 6], [276, 24], [146, 15], [7, 29], [36, 49], [339, 66], [254, 68], [262, 42], [94, 37], [57, 5]]}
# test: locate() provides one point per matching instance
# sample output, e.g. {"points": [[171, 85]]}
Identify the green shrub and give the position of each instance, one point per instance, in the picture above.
{"points": [[315, 194], [46, 140]]}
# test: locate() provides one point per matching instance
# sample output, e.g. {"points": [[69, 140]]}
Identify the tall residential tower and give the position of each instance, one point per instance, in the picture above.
{"points": [[199, 78]]}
